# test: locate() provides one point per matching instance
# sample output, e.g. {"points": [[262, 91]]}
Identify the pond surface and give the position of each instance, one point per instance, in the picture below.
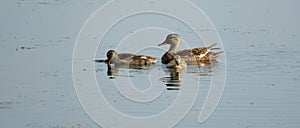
{"points": [[262, 52]]}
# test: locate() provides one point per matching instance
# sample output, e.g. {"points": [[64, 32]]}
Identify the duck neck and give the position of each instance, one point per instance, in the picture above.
{"points": [[117, 60], [174, 47]]}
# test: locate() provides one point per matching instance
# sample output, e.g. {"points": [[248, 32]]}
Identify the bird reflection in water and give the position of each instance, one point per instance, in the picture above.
{"points": [[176, 67], [174, 81], [113, 70]]}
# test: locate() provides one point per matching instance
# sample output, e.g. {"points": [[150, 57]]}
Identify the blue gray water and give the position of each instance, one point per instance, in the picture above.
{"points": [[261, 41]]}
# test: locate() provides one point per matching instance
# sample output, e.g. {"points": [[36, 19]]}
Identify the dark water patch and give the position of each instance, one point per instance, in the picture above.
{"points": [[59, 124], [6, 105], [33, 125], [272, 84], [52, 74], [25, 48], [99, 70], [43, 3], [34, 46], [245, 30], [21, 3], [260, 55], [205, 74], [33, 43], [296, 78], [280, 51]]}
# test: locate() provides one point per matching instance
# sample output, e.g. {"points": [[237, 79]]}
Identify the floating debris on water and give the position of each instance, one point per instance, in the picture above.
{"points": [[25, 48]]}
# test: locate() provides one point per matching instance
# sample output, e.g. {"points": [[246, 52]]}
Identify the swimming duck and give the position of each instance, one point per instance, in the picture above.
{"points": [[128, 59], [193, 54]]}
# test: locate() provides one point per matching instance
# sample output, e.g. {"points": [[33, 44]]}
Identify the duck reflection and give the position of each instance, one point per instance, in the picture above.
{"points": [[111, 72], [174, 81], [176, 67]]}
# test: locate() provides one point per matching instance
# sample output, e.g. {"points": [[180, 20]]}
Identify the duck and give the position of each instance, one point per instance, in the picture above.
{"points": [[128, 59], [189, 55]]}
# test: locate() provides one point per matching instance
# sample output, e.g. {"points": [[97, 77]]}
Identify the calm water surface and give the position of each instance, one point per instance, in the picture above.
{"points": [[261, 42]]}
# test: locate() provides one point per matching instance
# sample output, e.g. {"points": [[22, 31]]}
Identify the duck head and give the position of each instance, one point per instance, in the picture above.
{"points": [[173, 40], [111, 55]]}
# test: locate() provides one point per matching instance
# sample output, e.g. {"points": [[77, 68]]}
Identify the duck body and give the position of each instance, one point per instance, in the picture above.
{"points": [[177, 63], [128, 59], [209, 58], [189, 55]]}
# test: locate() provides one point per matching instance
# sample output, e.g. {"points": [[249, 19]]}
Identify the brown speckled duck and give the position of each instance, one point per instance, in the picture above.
{"points": [[128, 59], [189, 55]]}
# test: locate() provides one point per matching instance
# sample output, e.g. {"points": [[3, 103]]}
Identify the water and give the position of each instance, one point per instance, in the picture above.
{"points": [[261, 42]]}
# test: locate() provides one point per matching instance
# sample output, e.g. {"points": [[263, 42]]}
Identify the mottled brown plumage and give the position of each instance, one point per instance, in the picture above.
{"points": [[189, 55], [128, 59]]}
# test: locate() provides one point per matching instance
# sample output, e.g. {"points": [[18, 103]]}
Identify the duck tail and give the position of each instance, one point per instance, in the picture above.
{"points": [[212, 45], [215, 48], [217, 54]]}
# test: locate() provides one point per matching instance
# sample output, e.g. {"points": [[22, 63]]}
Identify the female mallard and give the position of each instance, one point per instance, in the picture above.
{"points": [[128, 59], [193, 54]]}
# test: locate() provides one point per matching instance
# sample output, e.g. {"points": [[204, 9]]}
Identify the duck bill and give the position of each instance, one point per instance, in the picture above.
{"points": [[108, 61], [163, 43]]}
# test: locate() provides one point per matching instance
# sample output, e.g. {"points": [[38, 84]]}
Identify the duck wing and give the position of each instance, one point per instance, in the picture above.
{"points": [[143, 60], [203, 50], [124, 56], [196, 51], [189, 55], [213, 55], [185, 52], [210, 57]]}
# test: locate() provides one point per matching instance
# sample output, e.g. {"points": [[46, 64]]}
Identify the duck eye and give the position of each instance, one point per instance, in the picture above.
{"points": [[109, 54]]}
